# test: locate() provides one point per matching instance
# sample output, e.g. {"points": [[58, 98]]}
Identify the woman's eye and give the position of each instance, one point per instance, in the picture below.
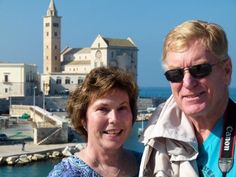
{"points": [[123, 108], [103, 109]]}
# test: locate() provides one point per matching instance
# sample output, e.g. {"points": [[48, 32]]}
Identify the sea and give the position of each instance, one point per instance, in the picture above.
{"points": [[165, 92], [42, 168]]}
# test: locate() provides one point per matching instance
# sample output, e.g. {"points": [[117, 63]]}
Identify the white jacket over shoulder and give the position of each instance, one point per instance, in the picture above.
{"points": [[171, 147]]}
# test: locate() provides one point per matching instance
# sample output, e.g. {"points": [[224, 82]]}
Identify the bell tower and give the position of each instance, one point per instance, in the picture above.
{"points": [[51, 40]]}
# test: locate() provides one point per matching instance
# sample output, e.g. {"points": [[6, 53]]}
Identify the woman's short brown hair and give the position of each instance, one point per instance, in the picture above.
{"points": [[98, 83]]}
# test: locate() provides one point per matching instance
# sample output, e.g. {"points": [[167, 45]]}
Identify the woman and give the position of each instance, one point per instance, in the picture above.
{"points": [[103, 109]]}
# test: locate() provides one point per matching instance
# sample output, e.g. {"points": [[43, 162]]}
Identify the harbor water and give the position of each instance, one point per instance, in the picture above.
{"points": [[165, 92]]}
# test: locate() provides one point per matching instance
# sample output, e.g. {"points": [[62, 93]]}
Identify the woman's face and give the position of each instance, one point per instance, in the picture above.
{"points": [[109, 120]]}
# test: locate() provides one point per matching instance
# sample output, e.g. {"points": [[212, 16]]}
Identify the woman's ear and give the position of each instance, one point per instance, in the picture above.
{"points": [[84, 124]]}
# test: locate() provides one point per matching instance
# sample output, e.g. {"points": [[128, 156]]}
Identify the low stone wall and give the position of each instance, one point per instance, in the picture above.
{"points": [[51, 135], [20, 109], [144, 103]]}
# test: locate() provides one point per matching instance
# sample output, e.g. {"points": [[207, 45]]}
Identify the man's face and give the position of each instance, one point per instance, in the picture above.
{"points": [[199, 96]]}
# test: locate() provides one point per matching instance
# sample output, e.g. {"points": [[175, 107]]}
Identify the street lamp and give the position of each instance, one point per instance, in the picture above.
{"points": [[9, 91], [44, 95], [44, 101], [35, 87], [34, 95]]}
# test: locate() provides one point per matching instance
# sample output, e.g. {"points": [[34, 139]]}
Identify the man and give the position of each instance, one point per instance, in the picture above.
{"points": [[23, 146], [184, 138]]}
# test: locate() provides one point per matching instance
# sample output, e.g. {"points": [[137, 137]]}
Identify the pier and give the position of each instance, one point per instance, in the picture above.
{"points": [[31, 148], [16, 155]]}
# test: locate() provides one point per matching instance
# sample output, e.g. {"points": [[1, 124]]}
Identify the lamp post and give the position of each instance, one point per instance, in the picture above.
{"points": [[44, 95], [34, 100], [9, 90], [44, 101], [34, 95]]}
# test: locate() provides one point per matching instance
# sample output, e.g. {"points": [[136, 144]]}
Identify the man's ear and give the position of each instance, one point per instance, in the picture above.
{"points": [[228, 71]]}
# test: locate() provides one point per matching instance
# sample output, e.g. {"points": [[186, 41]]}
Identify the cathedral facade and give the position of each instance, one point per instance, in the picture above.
{"points": [[67, 68]]}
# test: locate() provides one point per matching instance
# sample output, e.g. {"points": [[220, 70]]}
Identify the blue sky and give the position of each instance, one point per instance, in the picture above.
{"points": [[145, 21]]}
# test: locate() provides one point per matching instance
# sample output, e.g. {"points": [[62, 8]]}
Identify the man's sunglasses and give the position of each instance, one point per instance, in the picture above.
{"points": [[196, 71]]}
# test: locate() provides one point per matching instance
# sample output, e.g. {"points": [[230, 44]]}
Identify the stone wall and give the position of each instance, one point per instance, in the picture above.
{"points": [[144, 103], [44, 135]]}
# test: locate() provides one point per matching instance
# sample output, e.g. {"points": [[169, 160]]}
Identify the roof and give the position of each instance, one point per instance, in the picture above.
{"points": [[119, 42], [9, 64], [72, 51], [52, 11]]}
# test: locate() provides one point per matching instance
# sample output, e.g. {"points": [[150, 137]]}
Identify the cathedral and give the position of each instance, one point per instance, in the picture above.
{"points": [[67, 68]]}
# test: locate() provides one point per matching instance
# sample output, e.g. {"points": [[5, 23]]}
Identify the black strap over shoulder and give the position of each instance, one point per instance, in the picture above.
{"points": [[226, 159]]}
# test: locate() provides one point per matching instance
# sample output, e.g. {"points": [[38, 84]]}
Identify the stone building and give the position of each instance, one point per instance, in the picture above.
{"points": [[65, 69], [17, 80]]}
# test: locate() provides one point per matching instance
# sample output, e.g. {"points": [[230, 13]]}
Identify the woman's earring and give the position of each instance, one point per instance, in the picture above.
{"points": [[84, 125]]}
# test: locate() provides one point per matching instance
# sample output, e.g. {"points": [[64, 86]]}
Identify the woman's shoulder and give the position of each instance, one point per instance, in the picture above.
{"points": [[137, 154], [72, 166], [134, 158]]}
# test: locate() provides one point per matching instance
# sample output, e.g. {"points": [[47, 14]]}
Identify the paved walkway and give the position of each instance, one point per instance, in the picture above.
{"points": [[30, 148]]}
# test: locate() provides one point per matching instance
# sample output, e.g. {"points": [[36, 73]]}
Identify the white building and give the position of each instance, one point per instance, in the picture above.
{"points": [[17, 80], [68, 68], [103, 52]]}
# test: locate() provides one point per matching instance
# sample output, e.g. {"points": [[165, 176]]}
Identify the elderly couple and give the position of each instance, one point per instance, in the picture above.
{"points": [[191, 134]]}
